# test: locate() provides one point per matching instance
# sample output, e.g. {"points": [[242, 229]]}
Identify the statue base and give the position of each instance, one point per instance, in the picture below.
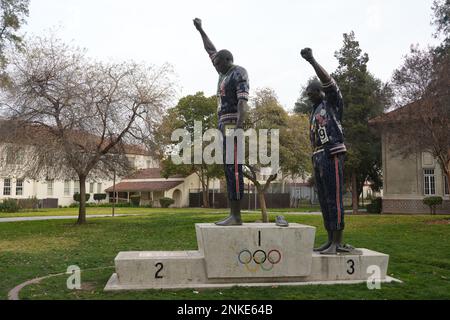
{"points": [[251, 255]]}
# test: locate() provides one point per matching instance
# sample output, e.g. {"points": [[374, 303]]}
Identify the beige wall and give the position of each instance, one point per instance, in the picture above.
{"points": [[404, 180], [190, 182]]}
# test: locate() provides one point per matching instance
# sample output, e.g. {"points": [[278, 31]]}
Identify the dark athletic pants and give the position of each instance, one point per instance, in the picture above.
{"points": [[233, 172], [329, 172]]}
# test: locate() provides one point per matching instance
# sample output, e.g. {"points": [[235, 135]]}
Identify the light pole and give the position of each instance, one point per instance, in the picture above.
{"points": [[114, 193], [214, 192]]}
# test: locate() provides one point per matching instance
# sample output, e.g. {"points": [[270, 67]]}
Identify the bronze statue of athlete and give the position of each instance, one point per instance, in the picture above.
{"points": [[232, 97], [327, 141]]}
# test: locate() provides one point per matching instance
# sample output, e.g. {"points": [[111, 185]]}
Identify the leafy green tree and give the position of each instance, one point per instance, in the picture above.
{"points": [[303, 105], [12, 17], [188, 110], [294, 151], [365, 98], [441, 19]]}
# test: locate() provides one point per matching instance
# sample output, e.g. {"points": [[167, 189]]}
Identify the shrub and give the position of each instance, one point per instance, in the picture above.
{"points": [[77, 197], [117, 205], [433, 202], [30, 203], [375, 206], [99, 196], [166, 202], [9, 205]]}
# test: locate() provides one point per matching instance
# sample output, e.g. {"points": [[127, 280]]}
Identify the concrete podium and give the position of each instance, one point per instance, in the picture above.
{"points": [[249, 255]]}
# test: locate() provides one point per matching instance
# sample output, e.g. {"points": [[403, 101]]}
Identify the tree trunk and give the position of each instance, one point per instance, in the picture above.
{"points": [[205, 189], [205, 198], [82, 210], [448, 180], [354, 193], [262, 203]]}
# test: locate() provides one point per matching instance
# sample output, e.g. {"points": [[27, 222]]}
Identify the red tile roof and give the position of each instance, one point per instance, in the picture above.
{"points": [[145, 186], [153, 173], [410, 110]]}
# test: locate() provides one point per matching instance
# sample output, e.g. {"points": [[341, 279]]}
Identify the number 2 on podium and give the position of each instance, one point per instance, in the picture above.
{"points": [[160, 266]]}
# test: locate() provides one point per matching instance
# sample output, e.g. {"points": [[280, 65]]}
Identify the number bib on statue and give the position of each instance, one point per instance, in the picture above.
{"points": [[322, 131]]}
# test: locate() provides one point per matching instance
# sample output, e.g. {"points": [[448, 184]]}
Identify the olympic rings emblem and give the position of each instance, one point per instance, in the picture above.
{"points": [[259, 257]]}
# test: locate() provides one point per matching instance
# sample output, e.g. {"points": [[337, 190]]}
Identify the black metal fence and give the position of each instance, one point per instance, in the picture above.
{"points": [[48, 203], [249, 202]]}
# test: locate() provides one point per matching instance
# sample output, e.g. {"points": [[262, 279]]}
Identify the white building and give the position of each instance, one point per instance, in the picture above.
{"points": [[150, 186], [15, 187], [146, 181]]}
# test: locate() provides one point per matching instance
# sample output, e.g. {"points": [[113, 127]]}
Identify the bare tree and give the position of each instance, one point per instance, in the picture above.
{"points": [[85, 111], [411, 80], [424, 123]]}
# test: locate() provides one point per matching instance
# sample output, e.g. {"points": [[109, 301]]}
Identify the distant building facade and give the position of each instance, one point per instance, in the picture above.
{"points": [[16, 186], [408, 180]]}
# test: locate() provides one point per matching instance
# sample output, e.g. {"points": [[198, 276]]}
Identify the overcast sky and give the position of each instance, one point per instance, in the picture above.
{"points": [[264, 36]]}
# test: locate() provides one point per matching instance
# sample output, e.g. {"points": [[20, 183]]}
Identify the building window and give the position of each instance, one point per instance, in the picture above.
{"points": [[446, 189], [50, 187], [132, 161], [7, 187], [99, 188], [429, 182], [67, 187], [91, 187], [76, 186], [19, 187]]}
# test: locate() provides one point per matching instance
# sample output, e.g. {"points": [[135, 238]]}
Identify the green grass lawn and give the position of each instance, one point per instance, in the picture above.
{"points": [[101, 211], [419, 255]]}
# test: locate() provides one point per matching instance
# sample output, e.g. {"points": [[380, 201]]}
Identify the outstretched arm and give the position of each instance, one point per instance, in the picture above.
{"points": [[324, 77], [209, 46]]}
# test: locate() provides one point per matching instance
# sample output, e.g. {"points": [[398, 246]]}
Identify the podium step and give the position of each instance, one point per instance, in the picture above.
{"points": [[349, 267], [159, 269], [256, 250]]}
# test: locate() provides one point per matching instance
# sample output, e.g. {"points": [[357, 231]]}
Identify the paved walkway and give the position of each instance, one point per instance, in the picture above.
{"points": [[42, 218], [318, 213], [18, 219]]}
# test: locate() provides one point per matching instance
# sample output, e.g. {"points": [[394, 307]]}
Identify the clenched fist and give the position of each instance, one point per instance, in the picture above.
{"points": [[307, 54], [198, 24]]}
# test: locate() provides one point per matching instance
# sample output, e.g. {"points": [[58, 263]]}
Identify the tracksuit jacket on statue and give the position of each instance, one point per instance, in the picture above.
{"points": [[327, 140], [233, 86]]}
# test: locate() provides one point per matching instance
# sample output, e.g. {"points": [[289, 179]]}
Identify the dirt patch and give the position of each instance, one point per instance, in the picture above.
{"points": [[443, 221], [88, 286]]}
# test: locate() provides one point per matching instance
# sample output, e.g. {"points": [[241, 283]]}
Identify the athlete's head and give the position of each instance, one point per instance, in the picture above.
{"points": [[223, 61], [314, 91]]}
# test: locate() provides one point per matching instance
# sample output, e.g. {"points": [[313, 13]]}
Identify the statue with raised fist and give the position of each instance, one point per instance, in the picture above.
{"points": [[327, 141], [232, 98]]}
